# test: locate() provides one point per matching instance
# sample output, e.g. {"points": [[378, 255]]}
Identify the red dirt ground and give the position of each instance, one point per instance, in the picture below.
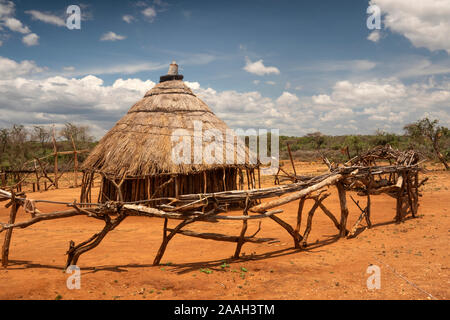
{"points": [[121, 267]]}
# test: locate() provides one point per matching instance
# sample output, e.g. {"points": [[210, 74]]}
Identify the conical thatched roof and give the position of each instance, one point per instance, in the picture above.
{"points": [[140, 144]]}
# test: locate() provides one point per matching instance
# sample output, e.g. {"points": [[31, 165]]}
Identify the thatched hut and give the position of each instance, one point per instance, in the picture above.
{"points": [[138, 155]]}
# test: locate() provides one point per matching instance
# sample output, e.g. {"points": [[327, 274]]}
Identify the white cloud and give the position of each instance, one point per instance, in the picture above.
{"points": [[128, 18], [374, 36], [10, 69], [367, 92], [15, 25], [381, 101], [134, 85], [419, 66], [425, 23], [322, 99], [337, 114], [7, 20], [112, 36], [347, 107], [6, 9], [31, 39], [259, 68], [58, 99], [47, 18], [271, 83], [193, 85], [287, 99], [149, 13]]}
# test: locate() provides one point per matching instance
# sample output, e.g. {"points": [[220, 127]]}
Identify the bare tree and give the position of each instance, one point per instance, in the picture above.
{"points": [[41, 134], [430, 130], [18, 134], [78, 133], [17, 153]]}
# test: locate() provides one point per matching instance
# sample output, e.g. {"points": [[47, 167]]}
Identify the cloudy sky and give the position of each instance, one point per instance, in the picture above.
{"points": [[299, 66]]}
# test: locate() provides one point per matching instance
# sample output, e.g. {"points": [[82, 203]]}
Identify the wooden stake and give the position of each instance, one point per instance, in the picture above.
{"points": [[55, 153], [8, 235], [75, 162], [301, 205], [363, 214], [310, 219], [399, 211], [292, 159], [241, 241], [37, 175], [344, 209]]}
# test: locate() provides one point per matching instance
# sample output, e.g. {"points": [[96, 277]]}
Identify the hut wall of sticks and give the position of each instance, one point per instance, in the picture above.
{"points": [[137, 154]]}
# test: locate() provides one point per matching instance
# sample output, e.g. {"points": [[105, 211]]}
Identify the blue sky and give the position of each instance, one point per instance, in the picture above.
{"points": [[299, 66]]}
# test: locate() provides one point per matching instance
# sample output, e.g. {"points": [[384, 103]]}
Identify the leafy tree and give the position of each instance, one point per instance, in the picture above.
{"points": [[355, 143], [4, 137], [383, 138], [317, 138], [426, 129]]}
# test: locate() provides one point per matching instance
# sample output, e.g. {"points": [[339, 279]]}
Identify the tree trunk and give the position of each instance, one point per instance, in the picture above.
{"points": [[440, 156]]}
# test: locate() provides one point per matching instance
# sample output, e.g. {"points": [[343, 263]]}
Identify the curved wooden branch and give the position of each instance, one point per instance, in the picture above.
{"points": [[42, 217], [295, 196], [74, 252], [221, 237]]}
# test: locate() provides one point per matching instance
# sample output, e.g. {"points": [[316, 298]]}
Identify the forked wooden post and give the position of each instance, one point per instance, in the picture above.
{"points": [[292, 160], [74, 252], [410, 195], [368, 209], [301, 205], [55, 153], [399, 210], [344, 208], [163, 246], [75, 162], [8, 235], [37, 175], [317, 203], [168, 237], [241, 241]]}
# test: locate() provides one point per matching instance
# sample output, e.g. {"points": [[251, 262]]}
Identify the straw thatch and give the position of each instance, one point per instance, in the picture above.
{"points": [[140, 145]]}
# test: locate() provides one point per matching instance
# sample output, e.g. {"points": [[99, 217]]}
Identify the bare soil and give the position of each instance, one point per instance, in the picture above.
{"points": [[330, 268]]}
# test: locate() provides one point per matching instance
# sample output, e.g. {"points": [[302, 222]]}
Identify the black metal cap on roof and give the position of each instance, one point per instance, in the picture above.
{"points": [[172, 74]]}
